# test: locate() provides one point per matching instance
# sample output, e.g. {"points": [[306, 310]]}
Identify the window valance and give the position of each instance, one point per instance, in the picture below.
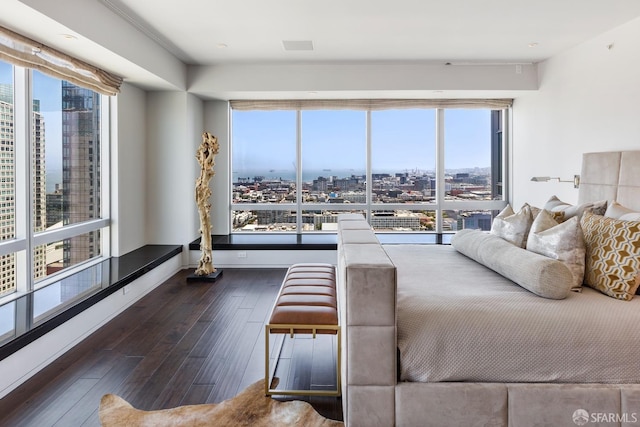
{"points": [[24, 52], [368, 104]]}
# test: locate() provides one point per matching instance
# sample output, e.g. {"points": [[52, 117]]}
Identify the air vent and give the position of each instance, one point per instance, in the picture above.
{"points": [[297, 45]]}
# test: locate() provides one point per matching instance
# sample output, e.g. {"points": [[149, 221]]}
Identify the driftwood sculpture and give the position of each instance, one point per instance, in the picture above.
{"points": [[206, 157]]}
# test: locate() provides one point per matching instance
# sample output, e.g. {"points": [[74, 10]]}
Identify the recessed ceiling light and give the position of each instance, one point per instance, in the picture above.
{"points": [[222, 45], [297, 44], [68, 36], [533, 44]]}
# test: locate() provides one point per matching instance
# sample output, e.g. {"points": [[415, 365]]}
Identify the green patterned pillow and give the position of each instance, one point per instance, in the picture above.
{"points": [[613, 255]]}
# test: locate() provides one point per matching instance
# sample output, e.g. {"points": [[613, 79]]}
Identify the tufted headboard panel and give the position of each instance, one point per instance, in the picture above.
{"points": [[613, 175]]}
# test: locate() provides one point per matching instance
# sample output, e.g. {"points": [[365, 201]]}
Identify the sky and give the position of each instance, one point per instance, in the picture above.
{"points": [[48, 91], [402, 140]]}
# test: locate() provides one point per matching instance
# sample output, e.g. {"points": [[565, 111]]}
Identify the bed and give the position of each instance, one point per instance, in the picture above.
{"points": [[476, 348]]}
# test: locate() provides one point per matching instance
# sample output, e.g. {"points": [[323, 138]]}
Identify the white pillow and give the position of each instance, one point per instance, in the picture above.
{"points": [[566, 210], [617, 211], [560, 240], [513, 227]]}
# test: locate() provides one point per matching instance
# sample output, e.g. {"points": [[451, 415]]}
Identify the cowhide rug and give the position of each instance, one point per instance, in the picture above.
{"points": [[250, 408]]}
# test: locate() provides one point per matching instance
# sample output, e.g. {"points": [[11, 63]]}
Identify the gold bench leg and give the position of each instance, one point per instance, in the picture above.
{"points": [[269, 373]]}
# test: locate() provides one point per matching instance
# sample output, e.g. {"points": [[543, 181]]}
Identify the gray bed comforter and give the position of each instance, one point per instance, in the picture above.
{"points": [[460, 321]]}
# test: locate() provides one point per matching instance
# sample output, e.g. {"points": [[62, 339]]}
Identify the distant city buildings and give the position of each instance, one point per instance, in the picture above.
{"points": [[399, 188]]}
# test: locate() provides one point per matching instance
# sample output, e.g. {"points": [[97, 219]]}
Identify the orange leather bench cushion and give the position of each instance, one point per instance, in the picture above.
{"points": [[307, 297]]}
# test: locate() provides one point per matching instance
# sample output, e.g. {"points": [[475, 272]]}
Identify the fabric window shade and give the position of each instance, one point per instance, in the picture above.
{"points": [[24, 52], [368, 104]]}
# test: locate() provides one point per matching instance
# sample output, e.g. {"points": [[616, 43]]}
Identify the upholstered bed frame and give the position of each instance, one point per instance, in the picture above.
{"points": [[372, 394], [611, 175]]}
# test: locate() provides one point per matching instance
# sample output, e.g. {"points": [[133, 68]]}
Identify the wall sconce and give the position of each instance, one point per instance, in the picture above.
{"points": [[576, 179]]}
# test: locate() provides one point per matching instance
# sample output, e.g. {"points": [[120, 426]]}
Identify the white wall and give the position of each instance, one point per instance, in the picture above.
{"points": [[216, 118], [174, 127], [128, 170], [588, 101]]}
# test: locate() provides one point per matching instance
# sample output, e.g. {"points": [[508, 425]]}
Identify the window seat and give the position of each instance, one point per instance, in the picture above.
{"points": [[310, 241], [77, 293]]}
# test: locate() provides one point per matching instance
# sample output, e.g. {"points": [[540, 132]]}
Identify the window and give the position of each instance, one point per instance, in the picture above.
{"points": [[411, 169], [51, 213]]}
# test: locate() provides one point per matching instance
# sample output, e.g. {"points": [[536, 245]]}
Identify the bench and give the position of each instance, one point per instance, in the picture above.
{"points": [[306, 304]]}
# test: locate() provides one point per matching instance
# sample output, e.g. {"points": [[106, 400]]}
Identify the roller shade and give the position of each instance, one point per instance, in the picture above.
{"points": [[369, 104], [24, 52]]}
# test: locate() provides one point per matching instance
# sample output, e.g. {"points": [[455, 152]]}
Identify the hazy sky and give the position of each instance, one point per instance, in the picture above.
{"points": [[401, 140], [48, 91]]}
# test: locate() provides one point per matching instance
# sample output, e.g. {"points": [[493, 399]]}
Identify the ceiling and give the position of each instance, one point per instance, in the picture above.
{"points": [[217, 32]]}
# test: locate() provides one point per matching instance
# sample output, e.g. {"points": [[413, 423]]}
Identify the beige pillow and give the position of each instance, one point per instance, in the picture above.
{"points": [[513, 227], [617, 211], [559, 240], [565, 210], [612, 264]]}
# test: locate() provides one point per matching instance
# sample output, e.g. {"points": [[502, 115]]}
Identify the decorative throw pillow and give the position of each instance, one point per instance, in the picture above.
{"points": [[564, 210], [613, 255], [559, 240], [513, 227], [617, 211]]}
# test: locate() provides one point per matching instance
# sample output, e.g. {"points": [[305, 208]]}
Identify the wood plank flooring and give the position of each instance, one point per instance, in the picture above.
{"points": [[181, 344]]}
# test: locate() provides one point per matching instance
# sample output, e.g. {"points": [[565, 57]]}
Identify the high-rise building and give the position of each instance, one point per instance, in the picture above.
{"points": [[7, 196], [7, 187], [80, 168], [39, 188]]}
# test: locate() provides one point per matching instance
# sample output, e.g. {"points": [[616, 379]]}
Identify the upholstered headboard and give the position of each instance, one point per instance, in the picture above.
{"points": [[613, 175]]}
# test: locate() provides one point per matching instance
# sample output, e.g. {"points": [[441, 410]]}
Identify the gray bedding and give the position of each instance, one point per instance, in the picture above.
{"points": [[460, 321]]}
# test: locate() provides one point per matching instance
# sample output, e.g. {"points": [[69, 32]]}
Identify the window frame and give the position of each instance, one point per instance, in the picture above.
{"points": [[500, 144], [26, 239]]}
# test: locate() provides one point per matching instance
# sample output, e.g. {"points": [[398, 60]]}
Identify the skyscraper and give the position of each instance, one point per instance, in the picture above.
{"points": [[80, 168], [7, 187]]}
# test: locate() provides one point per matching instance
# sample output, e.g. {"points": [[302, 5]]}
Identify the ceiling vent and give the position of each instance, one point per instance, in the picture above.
{"points": [[297, 45]]}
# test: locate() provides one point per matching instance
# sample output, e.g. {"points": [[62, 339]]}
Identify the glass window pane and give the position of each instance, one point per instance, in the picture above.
{"points": [[333, 156], [7, 321], [51, 299], [7, 177], [468, 154], [403, 220], [403, 156], [264, 220], [7, 274], [66, 153], [264, 156], [53, 257], [477, 219], [323, 220], [7, 162]]}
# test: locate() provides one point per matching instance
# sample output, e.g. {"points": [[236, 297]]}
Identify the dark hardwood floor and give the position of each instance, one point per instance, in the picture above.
{"points": [[181, 344]]}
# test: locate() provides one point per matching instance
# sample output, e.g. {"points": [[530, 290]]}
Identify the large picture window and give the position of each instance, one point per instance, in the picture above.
{"points": [[51, 192], [410, 169]]}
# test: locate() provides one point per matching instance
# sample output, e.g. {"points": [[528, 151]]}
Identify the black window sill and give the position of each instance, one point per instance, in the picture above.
{"points": [[116, 273], [328, 241]]}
